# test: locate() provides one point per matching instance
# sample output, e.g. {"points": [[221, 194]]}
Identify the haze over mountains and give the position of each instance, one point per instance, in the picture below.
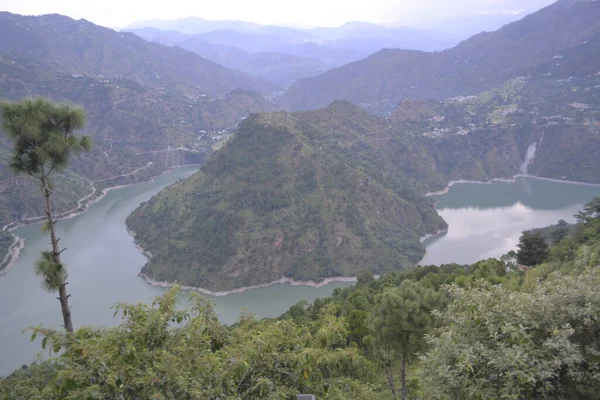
{"points": [[380, 81], [283, 55]]}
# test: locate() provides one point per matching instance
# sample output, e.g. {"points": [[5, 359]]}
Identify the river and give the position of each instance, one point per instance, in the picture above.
{"points": [[104, 262], [485, 220]]}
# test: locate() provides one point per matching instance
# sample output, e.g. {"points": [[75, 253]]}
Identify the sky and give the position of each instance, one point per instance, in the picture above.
{"points": [[416, 13]]}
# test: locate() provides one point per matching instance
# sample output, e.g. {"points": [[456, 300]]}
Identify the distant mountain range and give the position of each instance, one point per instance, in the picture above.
{"points": [[280, 68], [80, 47], [283, 55], [380, 81]]}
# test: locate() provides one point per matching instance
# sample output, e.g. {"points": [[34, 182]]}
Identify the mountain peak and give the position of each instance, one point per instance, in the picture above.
{"points": [[290, 195], [344, 106], [570, 3]]}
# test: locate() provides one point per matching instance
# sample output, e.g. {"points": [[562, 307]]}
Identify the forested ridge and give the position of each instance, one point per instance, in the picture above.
{"points": [[306, 196], [494, 329]]}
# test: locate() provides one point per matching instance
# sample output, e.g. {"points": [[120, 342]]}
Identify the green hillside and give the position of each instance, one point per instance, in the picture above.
{"points": [[305, 196], [555, 106]]}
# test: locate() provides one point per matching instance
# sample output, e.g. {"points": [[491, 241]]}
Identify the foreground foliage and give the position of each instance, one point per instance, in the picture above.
{"points": [[496, 332], [501, 344], [159, 352]]}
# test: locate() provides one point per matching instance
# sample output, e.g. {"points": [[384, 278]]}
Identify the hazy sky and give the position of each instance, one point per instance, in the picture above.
{"points": [[119, 13]]}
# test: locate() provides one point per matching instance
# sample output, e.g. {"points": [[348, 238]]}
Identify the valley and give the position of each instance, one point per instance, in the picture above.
{"points": [[138, 122], [101, 278], [359, 210]]}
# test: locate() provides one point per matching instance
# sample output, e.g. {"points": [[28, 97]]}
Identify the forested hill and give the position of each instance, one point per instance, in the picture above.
{"points": [[81, 47], [306, 196], [380, 81]]}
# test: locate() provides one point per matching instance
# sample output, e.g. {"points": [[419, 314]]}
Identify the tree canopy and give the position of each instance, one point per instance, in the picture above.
{"points": [[501, 344], [533, 249], [42, 133]]}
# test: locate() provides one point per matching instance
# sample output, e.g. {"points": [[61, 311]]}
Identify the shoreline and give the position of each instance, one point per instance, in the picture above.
{"points": [[243, 289], [433, 235], [328, 281], [507, 180], [12, 255], [568, 182], [83, 205], [280, 281]]}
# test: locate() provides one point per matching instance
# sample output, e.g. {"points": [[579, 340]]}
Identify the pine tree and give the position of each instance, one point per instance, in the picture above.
{"points": [[399, 322], [533, 249], [42, 134]]}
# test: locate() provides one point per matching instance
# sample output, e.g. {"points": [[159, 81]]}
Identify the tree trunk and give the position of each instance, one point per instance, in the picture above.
{"points": [[390, 378], [404, 394], [63, 297]]}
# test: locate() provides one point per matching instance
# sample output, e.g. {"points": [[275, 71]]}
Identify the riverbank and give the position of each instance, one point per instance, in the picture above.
{"points": [[208, 292], [281, 281], [83, 206], [12, 254], [508, 180], [433, 235]]}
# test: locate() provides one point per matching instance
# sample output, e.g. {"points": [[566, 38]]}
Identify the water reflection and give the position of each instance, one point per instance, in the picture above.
{"points": [[537, 194], [486, 220]]}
